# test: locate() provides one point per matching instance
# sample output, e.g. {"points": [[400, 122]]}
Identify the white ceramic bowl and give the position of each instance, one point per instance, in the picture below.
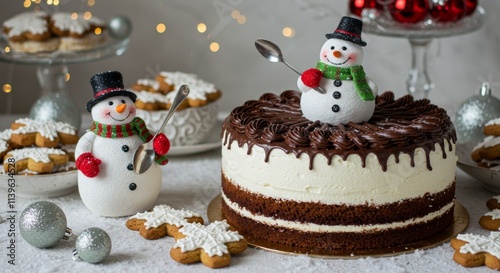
{"points": [[188, 126], [42, 185]]}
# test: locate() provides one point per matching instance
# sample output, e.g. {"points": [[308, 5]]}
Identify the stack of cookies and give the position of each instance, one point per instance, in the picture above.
{"points": [[37, 147], [157, 94], [34, 32], [487, 153]]}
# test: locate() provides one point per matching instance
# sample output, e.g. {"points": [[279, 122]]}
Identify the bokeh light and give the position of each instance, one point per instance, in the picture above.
{"points": [[160, 28], [288, 32], [201, 28], [214, 47], [7, 88]]}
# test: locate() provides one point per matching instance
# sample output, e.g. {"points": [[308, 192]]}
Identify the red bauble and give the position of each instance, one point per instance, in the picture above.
{"points": [[408, 11], [448, 10], [356, 6], [470, 7]]}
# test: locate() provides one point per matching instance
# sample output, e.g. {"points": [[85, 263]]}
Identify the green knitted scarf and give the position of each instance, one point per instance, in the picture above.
{"points": [[136, 127], [353, 73]]}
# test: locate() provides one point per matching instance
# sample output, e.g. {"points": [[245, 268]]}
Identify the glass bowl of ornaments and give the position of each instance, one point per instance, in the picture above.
{"points": [[192, 128], [419, 21]]}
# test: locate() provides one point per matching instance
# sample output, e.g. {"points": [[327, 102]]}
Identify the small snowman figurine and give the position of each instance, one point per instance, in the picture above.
{"points": [[350, 95], [107, 182]]}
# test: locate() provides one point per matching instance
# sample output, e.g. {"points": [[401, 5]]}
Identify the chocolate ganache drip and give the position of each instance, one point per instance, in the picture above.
{"points": [[397, 126]]}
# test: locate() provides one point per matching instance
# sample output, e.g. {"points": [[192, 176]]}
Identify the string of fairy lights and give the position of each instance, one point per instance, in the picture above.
{"points": [[160, 28]]}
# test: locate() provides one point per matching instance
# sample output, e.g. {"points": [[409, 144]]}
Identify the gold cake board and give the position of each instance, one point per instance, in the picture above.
{"points": [[460, 223]]}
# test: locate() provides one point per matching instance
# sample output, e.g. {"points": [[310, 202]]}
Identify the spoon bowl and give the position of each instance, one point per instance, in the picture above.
{"points": [[144, 155], [272, 53]]}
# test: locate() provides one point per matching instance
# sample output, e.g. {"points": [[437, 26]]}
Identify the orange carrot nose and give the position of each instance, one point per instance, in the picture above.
{"points": [[337, 54], [120, 108]]}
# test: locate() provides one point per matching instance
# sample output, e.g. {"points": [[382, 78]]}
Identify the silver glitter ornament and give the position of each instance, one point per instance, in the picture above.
{"points": [[42, 224], [120, 27], [93, 245], [474, 112]]}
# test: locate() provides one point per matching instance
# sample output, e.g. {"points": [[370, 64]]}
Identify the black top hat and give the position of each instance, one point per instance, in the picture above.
{"points": [[349, 29], [108, 84]]}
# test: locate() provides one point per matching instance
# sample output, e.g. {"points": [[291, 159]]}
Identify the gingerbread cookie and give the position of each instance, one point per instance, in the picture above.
{"points": [[5, 145], [27, 132], [161, 221], [212, 244], [492, 127], [39, 160], [493, 202], [490, 220], [29, 32], [75, 32], [476, 250]]}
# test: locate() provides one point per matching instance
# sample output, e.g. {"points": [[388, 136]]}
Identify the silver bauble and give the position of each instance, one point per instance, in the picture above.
{"points": [[93, 245], [42, 224], [58, 107], [474, 112], [120, 27]]}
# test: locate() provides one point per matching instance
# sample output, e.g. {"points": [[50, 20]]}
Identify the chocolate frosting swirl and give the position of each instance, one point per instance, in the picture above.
{"points": [[397, 125]]}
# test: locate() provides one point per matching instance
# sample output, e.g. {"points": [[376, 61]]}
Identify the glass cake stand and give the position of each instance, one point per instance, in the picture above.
{"points": [[52, 68], [420, 36]]}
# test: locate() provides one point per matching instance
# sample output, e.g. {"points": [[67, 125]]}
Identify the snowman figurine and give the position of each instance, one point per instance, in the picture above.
{"points": [[350, 95], [107, 182]]}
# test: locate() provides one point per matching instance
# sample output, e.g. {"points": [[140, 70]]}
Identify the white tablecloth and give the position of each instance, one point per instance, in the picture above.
{"points": [[191, 182]]}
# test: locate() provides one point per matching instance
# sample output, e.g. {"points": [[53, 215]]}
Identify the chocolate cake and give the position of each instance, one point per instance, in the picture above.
{"points": [[374, 184]]}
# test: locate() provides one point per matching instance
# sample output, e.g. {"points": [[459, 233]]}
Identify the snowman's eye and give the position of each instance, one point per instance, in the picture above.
{"points": [[123, 101], [332, 47], [110, 103], [344, 48]]}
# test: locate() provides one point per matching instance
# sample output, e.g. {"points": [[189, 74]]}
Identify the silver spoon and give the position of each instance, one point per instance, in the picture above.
{"points": [[272, 52], [145, 155]]}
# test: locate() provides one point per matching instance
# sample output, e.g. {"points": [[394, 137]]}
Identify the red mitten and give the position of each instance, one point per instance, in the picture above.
{"points": [[161, 144], [311, 77], [88, 164]]}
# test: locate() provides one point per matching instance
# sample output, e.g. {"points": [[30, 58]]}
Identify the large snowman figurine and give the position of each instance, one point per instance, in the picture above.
{"points": [[350, 95], [107, 182]]}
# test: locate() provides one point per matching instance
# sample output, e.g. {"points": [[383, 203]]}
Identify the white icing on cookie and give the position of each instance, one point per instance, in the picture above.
{"points": [[146, 96], [479, 243], [493, 122], [163, 214], [149, 82], [4, 137], [211, 238], [198, 87], [38, 154], [497, 197], [3, 145], [488, 141], [495, 214], [63, 21], [33, 22], [46, 128], [5, 134]]}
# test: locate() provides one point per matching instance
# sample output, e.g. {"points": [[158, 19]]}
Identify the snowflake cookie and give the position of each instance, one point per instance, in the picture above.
{"points": [[161, 221], [212, 244], [491, 219], [42, 133], [473, 250]]}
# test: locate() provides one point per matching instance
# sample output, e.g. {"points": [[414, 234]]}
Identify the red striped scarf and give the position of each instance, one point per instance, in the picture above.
{"points": [[136, 127]]}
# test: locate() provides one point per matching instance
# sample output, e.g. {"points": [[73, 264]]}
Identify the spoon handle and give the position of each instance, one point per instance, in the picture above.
{"points": [[179, 97]]}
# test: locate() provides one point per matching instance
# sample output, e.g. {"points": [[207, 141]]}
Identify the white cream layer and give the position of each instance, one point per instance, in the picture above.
{"points": [[309, 227], [342, 182]]}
